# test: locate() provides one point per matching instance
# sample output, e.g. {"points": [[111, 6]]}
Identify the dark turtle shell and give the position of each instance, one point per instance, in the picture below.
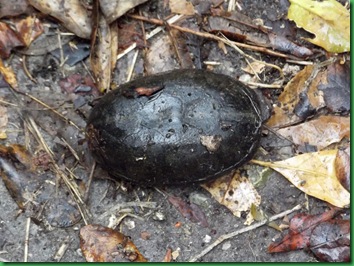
{"points": [[174, 128]]}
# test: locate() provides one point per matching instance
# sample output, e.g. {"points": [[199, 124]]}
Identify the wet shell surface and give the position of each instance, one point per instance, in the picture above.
{"points": [[175, 128]]}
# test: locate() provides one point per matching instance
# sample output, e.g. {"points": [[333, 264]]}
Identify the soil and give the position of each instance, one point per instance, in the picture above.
{"points": [[189, 239]]}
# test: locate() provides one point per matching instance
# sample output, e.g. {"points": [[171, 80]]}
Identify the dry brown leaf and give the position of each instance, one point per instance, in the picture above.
{"points": [[237, 194], [101, 52], [9, 75], [183, 7], [343, 168], [103, 244], [70, 12], [3, 122], [288, 100], [319, 132], [29, 29], [315, 174], [113, 9], [8, 40]]}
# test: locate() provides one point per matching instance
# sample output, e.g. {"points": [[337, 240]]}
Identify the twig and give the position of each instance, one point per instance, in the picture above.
{"points": [[131, 69], [8, 103], [223, 39], [62, 249], [88, 185], [28, 223], [24, 65], [71, 149], [72, 187], [47, 106], [243, 230], [212, 36], [118, 207], [263, 85]]}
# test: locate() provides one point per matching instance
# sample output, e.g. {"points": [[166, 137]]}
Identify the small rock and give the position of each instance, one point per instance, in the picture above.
{"points": [[130, 224], [207, 239], [199, 199], [158, 216], [226, 246]]}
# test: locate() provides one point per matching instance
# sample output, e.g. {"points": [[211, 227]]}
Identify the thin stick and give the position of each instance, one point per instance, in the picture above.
{"points": [[212, 36], [131, 69], [222, 39], [62, 249], [50, 108], [28, 223], [243, 230], [88, 185], [24, 65]]}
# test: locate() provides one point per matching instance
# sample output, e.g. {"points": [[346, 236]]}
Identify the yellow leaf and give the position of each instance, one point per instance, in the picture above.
{"points": [[315, 174], [327, 19], [9, 75]]}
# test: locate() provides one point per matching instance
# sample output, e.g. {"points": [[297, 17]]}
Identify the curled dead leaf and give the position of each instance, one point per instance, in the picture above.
{"points": [[320, 132], [103, 244]]}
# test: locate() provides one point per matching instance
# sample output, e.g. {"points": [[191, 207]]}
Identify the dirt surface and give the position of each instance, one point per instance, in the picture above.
{"points": [[189, 239]]}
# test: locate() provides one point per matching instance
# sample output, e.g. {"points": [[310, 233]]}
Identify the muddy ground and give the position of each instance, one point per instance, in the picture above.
{"points": [[189, 239]]}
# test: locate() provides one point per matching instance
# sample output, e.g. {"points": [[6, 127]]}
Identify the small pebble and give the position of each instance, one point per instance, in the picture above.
{"points": [[226, 246]]}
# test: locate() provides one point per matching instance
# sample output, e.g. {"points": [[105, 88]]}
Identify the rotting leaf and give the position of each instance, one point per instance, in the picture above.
{"points": [[328, 20], [315, 174], [71, 13], [327, 238], [336, 87], [330, 241], [236, 193], [298, 96], [319, 132], [103, 244], [182, 7], [75, 84], [28, 29], [189, 211], [300, 229], [8, 40], [21, 33], [129, 33]]}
